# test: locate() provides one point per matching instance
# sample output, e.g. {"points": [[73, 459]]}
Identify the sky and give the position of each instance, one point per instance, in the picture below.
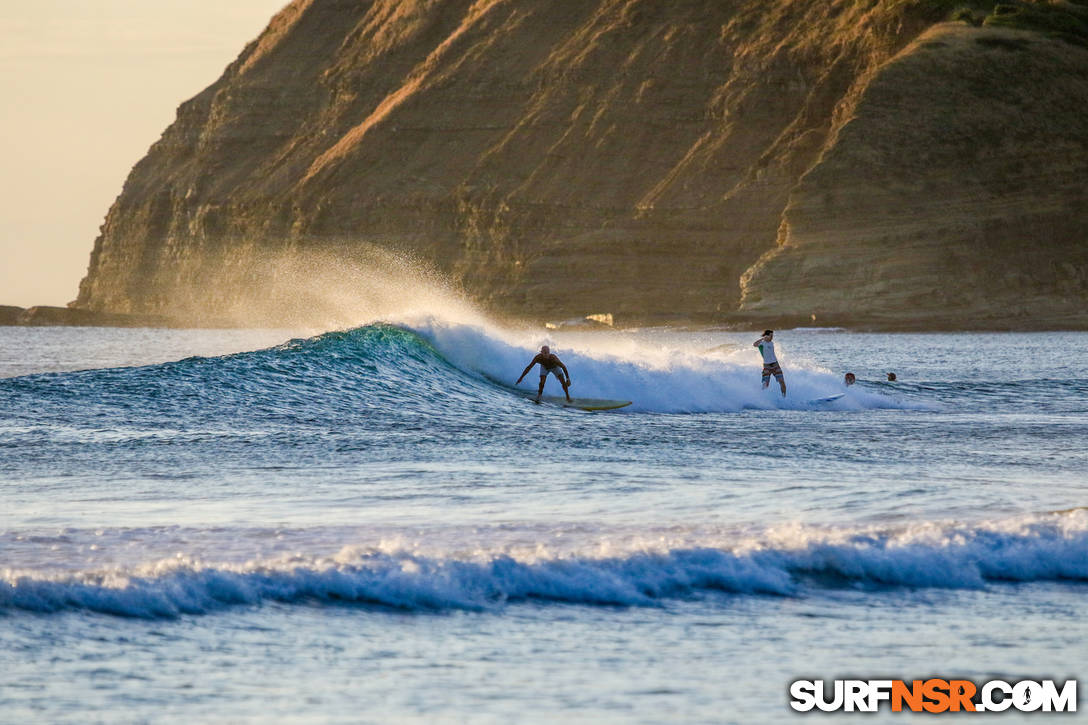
{"points": [[86, 86]]}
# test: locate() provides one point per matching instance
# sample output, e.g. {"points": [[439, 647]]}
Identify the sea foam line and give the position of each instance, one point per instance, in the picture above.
{"points": [[783, 562]]}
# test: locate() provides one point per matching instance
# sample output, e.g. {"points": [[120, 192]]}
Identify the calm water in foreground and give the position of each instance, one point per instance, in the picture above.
{"points": [[367, 526]]}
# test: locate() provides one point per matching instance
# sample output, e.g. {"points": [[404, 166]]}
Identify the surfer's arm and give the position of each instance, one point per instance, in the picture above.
{"points": [[526, 370]]}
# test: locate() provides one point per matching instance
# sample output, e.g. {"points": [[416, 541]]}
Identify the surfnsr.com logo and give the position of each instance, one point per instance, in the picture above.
{"points": [[933, 695]]}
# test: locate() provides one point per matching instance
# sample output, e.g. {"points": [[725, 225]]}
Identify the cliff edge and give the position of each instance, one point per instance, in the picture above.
{"points": [[863, 162]]}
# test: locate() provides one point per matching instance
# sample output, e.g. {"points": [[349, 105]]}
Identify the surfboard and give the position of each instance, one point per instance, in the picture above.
{"points": [[579, 403], [828, 399]]}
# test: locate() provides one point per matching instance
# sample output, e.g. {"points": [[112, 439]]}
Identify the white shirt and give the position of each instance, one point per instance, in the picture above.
{"points": [[767, 348]]}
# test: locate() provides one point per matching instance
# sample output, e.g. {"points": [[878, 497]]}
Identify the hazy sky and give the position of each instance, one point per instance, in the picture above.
{"points": [[86, 86]]}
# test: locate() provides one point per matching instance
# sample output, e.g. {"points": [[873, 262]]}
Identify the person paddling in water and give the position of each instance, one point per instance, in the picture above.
{"points": [[770, 362], [549, 363]]}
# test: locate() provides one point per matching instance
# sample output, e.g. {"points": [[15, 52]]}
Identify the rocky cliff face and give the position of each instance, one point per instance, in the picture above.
{"points": [[975, 211], [653, 160]]}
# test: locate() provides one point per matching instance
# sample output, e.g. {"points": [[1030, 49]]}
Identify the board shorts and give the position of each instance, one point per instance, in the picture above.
{"points": [[554, 371], [770, 369]]}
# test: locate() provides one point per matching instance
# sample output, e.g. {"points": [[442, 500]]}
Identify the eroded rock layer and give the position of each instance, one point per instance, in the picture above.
{"points": [[651, 160]]}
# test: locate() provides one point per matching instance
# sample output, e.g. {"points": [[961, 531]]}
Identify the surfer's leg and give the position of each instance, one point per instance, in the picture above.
{"points": [[540, 390], [566, 387], [766, 377], [776, 370]]}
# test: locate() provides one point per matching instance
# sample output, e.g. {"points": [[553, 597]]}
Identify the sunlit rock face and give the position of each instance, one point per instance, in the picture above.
{"points": [[698, 161], [956, 194]]}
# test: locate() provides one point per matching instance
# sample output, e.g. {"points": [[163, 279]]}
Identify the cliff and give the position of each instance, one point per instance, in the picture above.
{"points": [[47, 316], [860, 161]]}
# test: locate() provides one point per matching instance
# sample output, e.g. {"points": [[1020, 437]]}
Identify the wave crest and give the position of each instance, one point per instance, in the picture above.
{"points": [[790, 561]]}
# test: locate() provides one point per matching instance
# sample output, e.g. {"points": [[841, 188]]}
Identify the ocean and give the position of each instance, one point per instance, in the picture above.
{"points": [[368, 525]]}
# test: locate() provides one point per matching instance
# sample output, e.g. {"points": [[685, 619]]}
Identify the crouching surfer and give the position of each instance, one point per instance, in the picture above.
{"points": [[549, 363]]}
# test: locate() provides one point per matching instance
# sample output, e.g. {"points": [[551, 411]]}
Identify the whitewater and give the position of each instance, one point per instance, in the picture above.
{"points": [[369, 524]]}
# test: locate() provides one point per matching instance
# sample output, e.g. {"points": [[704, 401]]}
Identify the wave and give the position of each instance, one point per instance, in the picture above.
{"points": [[594, 570], [459, 363], [658, 378]]}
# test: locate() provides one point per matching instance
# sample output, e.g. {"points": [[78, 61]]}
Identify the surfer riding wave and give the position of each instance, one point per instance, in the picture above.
{"points": [[549, 363], [770, 362]]}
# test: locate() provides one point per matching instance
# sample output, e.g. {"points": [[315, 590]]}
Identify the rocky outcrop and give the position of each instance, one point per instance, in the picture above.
{"points": [[47, 316], [652, 160], [10, 315]]}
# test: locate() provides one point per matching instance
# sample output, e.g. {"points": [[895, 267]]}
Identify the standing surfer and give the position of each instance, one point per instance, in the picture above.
{"points": [[550, 363], [770, 362]]}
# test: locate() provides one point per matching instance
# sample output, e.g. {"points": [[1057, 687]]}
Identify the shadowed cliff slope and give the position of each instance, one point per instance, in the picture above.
{"points": [[653, 160]]}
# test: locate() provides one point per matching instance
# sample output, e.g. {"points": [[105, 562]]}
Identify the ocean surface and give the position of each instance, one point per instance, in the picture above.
{"points": [[369, 525]]}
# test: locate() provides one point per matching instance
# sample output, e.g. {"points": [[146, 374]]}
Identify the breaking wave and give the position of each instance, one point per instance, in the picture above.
{"points": [[417, 363], [607, 568]]}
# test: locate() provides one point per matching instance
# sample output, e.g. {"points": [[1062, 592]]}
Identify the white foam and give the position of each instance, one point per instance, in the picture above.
{"points": [[658, 377], [593, 567]]}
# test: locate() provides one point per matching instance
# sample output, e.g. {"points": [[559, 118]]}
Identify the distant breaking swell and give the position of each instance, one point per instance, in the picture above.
{"points": [[1054, 548]]}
